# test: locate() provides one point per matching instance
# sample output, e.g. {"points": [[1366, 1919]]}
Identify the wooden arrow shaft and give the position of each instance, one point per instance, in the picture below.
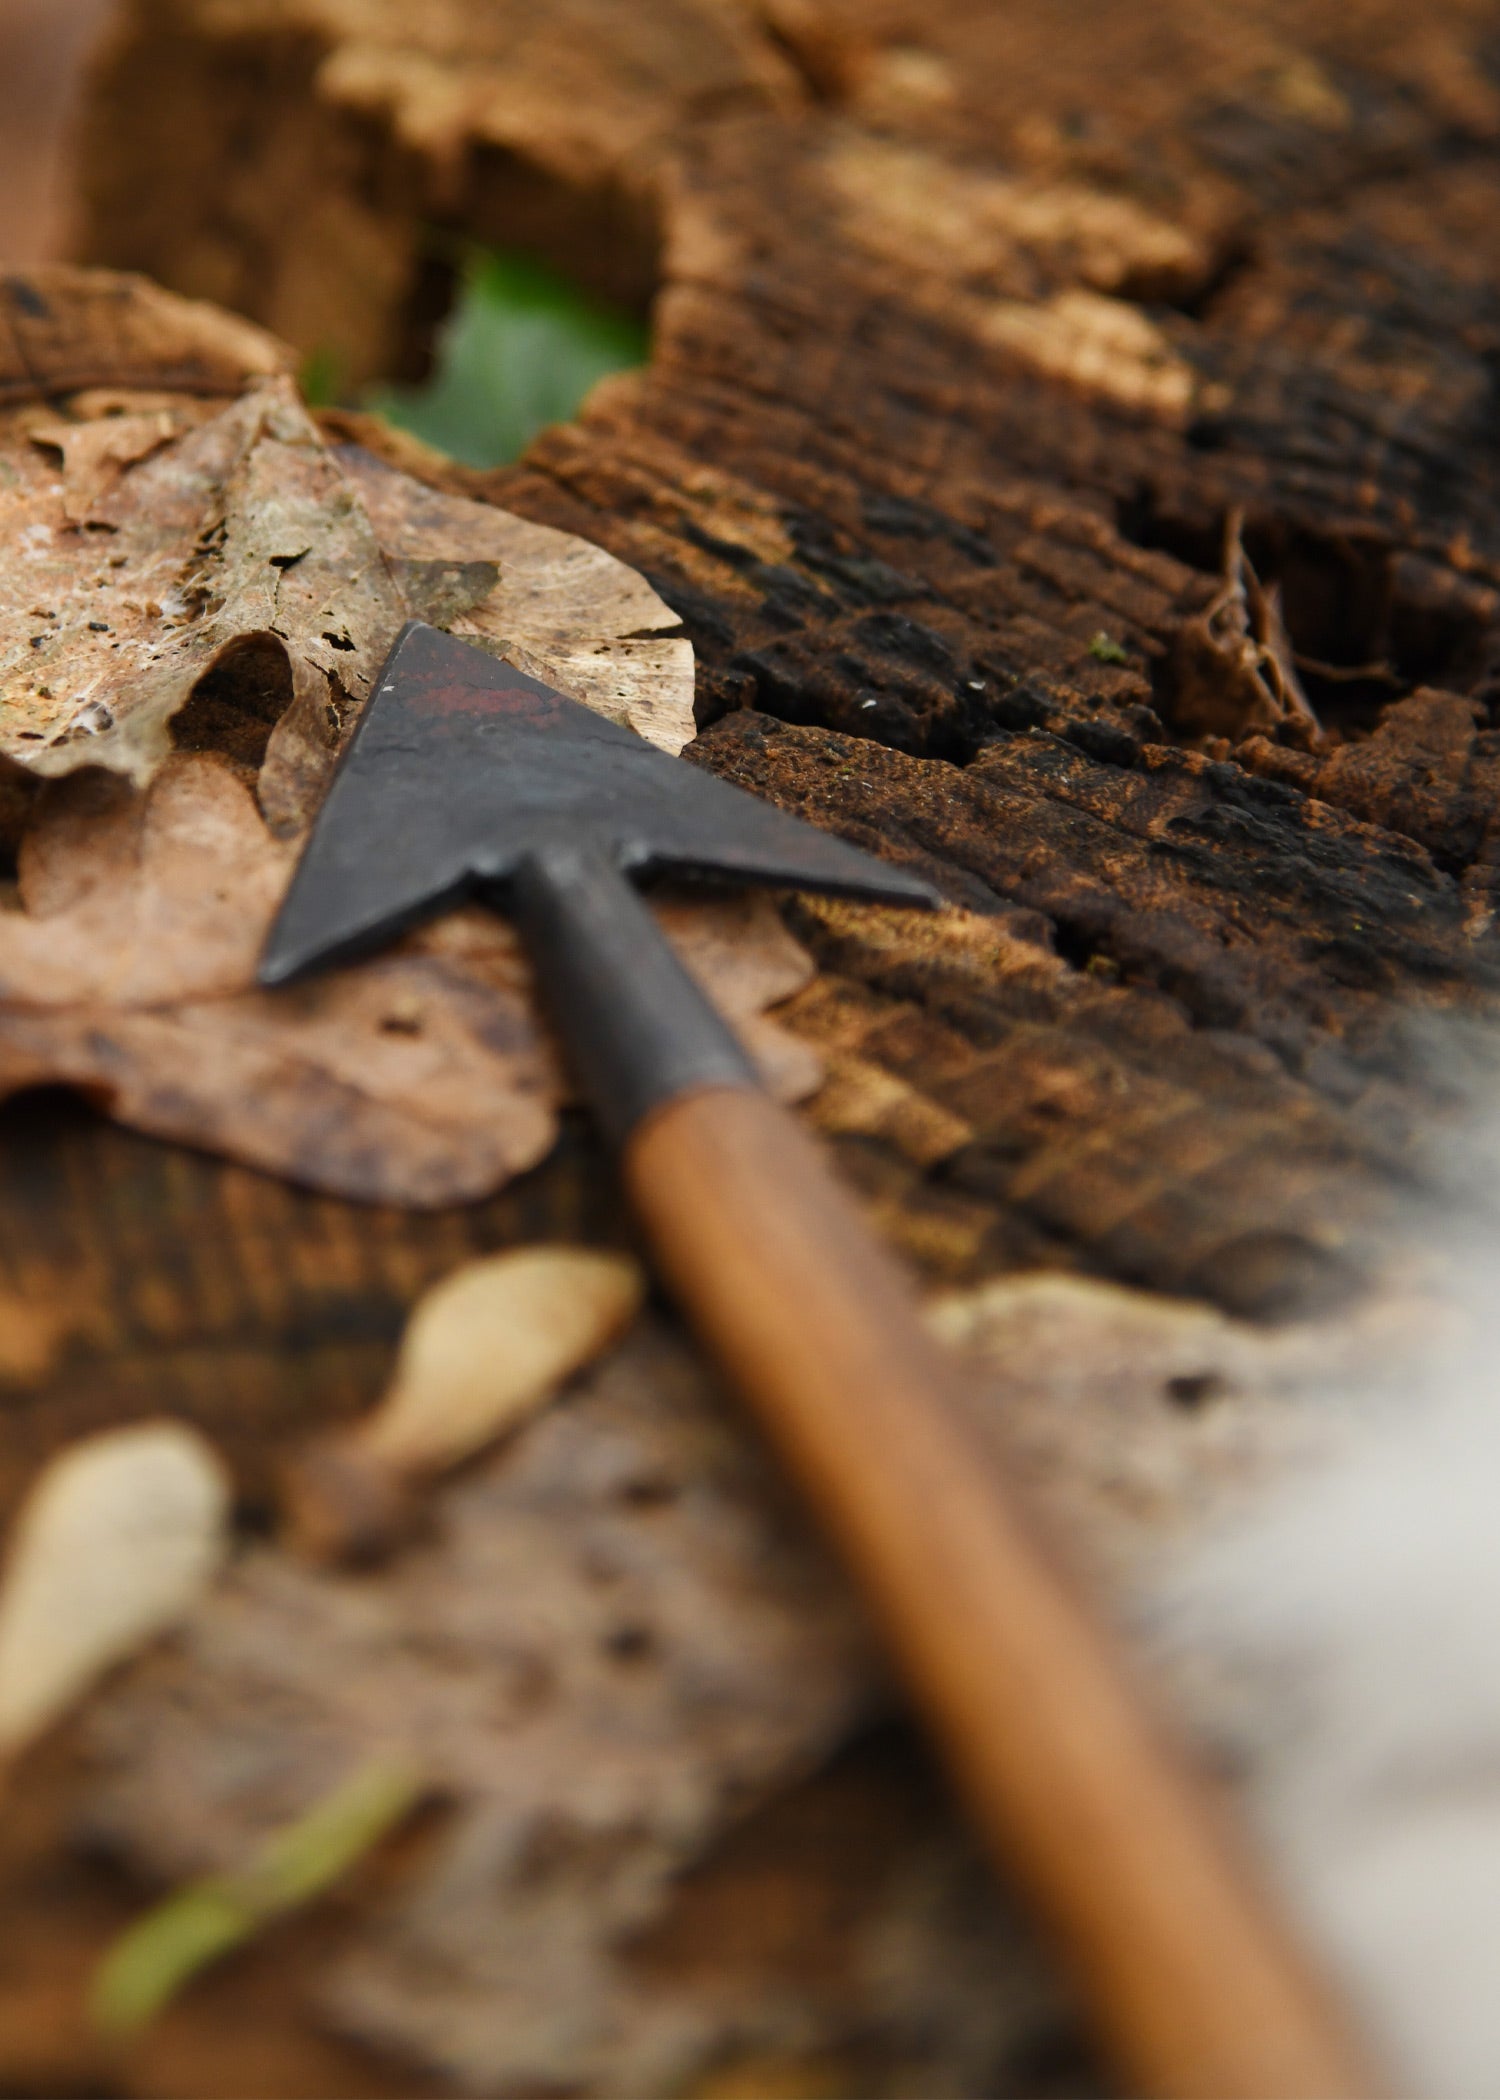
{"points": [[1191, 1979], [1193, 1983]]}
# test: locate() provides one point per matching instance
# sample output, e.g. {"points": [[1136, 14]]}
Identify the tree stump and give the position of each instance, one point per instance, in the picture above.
{"points": [[1070, 446], [1067, 444]]}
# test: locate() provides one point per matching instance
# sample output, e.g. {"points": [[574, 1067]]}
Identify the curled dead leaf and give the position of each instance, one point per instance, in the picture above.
{"points": [[96, 449], [1234, 669], [484, 1349], [115, 1544]]}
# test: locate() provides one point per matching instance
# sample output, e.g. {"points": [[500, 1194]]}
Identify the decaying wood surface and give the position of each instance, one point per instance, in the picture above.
{"points": [[973, 335], [1070, 450]]}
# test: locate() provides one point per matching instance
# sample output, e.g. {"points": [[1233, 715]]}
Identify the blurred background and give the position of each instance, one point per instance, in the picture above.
{"points": [[503, 344], [43, 44]]}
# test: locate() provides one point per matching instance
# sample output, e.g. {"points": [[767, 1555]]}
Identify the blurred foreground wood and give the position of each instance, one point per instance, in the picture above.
{"points": [[1070, 446]]}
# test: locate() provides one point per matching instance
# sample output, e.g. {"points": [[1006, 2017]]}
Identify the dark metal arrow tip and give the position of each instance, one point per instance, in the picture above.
{"points": [[463, 768]]}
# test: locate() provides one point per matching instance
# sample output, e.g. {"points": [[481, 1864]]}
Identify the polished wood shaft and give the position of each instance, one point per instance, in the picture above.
{"points": [[1193, 1981]]}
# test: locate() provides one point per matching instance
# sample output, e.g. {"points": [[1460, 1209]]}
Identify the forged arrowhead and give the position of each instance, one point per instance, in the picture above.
{"points": [[462, 766]]}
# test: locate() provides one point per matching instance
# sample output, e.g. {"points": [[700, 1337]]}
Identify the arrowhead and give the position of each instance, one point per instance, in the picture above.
{"points": [[461, 766]]}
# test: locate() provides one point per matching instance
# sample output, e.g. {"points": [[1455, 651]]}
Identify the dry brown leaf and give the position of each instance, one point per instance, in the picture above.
{"points": [[617, 1657], [135, 550], [561, 608], [616, 1642], [183, 559], [484, 1349], [145, 538], [96, 448], [116, 1543], [418, 1077]]}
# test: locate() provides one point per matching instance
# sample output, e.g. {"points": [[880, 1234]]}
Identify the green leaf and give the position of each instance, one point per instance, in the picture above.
{"points": [[150, 1963], [196, 1925], [520, 350], [321, 378], [1107, 649]]}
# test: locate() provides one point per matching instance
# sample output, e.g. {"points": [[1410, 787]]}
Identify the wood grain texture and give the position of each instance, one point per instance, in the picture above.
{"points": [[257, 1311]]}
